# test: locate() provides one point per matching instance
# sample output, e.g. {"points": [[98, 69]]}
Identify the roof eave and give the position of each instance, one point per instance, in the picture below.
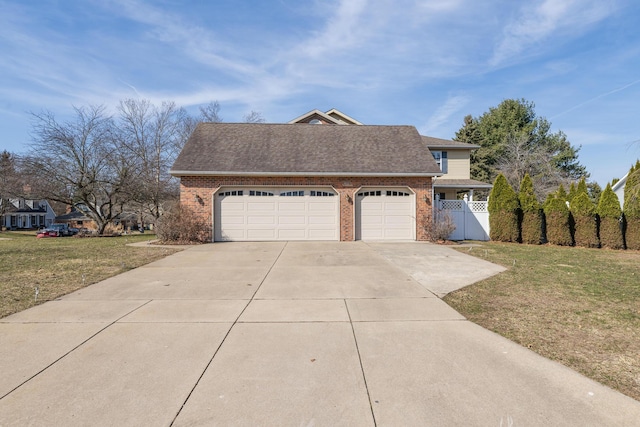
{"points": [[179, 173]]}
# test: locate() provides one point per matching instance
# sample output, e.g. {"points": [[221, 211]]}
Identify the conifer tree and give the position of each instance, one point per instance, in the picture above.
{"points": [[632, 208], [557, 217], [503, 212], [610, 220], [531, 223]]}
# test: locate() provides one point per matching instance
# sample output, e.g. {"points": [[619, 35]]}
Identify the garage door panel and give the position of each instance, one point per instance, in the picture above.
{"points": [[319, 234], [291, 207], [322, 220], [260, 207], [403, 220], [234, 234], [234, 219], [292, 220], [324, 207], [285, 215], [261, 220], [292, 234], [261, 234], [231, 206]]}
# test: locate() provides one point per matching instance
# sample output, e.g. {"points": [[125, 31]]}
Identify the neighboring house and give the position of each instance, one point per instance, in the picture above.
{"points": [[77, 219], [453, 157], [309, 181], [26, 214], [618, 188]]}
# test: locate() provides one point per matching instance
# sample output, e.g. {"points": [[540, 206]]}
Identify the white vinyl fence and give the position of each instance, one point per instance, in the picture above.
{"points": [[470, 217]]}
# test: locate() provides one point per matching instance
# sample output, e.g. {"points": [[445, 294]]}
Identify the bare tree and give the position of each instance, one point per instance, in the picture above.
{"points": [[211, 113], [9, 179], [253, 117], [521, 155], [152, 136], [80, 163]]}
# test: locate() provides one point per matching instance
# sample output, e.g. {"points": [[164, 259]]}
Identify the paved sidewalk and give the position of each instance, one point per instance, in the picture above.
{"points": [[300, 334]]}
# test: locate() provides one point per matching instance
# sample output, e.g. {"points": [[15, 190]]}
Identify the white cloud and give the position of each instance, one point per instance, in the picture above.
{"points": [[538, 21], [443, 114]]}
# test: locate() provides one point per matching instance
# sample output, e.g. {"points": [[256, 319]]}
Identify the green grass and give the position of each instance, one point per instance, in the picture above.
{"points": [[58, 266], [580, 307]]}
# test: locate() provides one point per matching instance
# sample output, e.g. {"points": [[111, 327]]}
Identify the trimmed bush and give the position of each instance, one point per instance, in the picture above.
{"points": [[531, 217], [503, 211], [557, 218], [632, 208], [585, 221], [610, 220]]}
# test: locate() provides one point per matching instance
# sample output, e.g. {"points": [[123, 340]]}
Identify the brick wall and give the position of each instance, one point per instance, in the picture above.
{"points": [[197, 192]]}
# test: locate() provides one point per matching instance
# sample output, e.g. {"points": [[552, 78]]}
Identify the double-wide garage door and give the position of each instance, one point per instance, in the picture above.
{"points": [[271, 214], [265, 214]]}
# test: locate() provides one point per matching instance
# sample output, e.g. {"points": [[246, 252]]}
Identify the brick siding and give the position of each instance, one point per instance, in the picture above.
{"points": [[196, 192]]}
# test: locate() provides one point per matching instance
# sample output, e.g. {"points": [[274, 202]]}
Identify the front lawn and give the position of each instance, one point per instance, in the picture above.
{"points": [[57, 266], [580, 307]]}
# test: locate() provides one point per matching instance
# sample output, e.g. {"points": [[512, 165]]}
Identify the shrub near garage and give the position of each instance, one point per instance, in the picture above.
{"points": [[610, 220], [503, 209], [531, 218], [557, 217], [632, 208]]}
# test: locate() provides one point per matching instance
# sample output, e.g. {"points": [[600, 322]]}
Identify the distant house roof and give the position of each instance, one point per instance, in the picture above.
{"points": [[74, 215], [304, 150], [332, 116], [432, 143]]}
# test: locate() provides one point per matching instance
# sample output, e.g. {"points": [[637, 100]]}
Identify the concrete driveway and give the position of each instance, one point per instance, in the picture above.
{"points": [[291, 334]]}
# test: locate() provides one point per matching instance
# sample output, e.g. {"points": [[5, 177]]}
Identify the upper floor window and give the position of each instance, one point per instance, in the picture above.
{"points": [[442, 160]]}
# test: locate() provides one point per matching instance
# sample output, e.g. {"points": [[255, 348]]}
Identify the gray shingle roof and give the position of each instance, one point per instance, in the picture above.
{"points": [[303, 149], [447, 143]]}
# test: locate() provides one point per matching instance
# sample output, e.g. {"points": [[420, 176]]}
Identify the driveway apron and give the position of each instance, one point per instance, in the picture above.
{"points": [[285, 333]]}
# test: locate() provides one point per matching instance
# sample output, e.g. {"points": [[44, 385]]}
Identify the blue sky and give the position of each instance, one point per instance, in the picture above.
{"points": [[424, 63]]}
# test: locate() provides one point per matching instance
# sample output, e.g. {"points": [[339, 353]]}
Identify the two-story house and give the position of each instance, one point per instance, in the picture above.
{"points": [[19, 213], [453, 157], [322, 176]]}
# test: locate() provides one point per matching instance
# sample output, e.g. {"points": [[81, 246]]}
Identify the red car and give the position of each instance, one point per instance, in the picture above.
{"points": [[47, 233]]}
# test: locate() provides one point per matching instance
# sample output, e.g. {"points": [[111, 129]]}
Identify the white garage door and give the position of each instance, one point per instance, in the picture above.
{"points": [[263, 214], [385, 214]]}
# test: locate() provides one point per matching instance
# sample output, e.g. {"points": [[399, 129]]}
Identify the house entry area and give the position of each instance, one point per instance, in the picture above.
{"points": [[385, 214], [272, 214]]}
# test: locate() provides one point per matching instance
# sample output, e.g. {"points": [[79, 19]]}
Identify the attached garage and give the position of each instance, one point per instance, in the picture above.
{"points": [[277, 182], [385, 214], [272, 214]]}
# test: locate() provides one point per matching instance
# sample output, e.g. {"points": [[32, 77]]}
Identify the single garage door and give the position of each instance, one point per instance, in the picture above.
{"points": [[385, 214], [264, 214]]}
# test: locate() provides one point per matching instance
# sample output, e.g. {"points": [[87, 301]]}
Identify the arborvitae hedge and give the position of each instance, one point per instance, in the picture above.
{"points": [[558, 226], [610, 220], [632, 208], [503, 211], [531, 219], [573, 192], [585, 221], [582, 187]]}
